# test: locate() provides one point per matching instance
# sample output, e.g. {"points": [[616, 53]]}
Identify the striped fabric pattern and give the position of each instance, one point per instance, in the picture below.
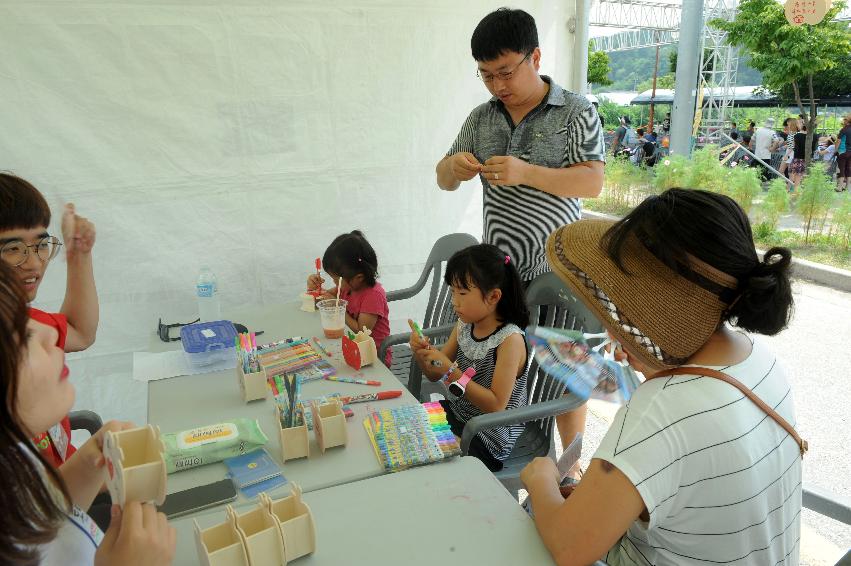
{"points": [[481, 354], [720, 479], [562, 131]]}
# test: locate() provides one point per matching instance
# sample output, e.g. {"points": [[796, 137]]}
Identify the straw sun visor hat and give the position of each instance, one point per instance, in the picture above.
{"points": [[662, 317]]}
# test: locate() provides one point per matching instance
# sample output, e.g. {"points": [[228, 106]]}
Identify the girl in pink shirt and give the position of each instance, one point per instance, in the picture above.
{"points": [[351, 257]]}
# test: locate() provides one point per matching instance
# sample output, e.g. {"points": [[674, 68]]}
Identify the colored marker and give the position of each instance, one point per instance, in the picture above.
{"points": [[416, 328], [380, 396], [281, 343], [321, 347], [353, 380]]}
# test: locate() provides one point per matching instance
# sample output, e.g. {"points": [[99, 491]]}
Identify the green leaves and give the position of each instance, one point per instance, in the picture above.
{"points": [[816, 197], [784, 53], [776, 202], [598, 67]]}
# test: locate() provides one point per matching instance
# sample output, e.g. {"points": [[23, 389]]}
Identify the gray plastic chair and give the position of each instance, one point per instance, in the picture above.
{"points": [[551, 303], [85, 420], [830, 505], [439, 310]]}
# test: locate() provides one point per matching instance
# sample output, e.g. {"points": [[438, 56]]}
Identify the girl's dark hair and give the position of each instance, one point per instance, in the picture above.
{"points": [[485, 266], [31, 515], [715, 229], [350, 255], [21, 205], [502, 31]]}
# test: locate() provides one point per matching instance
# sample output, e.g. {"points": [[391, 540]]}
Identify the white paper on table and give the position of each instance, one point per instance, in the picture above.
{"points": [[149, 366]]}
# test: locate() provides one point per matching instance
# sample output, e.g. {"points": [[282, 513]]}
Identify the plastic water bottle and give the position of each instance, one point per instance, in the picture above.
{"points": [[207, 291]]}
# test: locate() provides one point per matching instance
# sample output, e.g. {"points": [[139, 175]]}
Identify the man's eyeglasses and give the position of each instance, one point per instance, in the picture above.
{"points": [[164, 329], [504, 75], [16, 252]]}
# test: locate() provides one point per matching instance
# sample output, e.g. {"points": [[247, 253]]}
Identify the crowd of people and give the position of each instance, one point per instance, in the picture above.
{"points": [[641, 146], [783, 149], [786, 149]]}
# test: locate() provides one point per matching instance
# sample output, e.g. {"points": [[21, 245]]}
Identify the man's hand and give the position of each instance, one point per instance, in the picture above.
{"points": [[505, 170], [464, 165], [78, 234]]}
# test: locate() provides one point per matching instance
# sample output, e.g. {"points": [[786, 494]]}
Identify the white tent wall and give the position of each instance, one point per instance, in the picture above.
{"points": [[240, 134]]}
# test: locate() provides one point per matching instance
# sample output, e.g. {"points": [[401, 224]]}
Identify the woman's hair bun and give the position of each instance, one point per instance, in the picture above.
{"points": [[765, 304]]}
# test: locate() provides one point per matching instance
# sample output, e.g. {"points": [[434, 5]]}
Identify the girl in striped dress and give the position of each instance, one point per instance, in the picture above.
{"points": [[488, 297]]}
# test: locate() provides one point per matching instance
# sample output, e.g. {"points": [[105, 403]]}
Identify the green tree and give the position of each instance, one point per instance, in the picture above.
{"points": [[743, 185], [816, 196], [842, 219], [787, 54], [662, 81], [828, 83], [776, 202], [598, 66]]}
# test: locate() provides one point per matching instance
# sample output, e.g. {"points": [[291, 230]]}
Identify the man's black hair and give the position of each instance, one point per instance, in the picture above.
{"points": [[503, 31]]}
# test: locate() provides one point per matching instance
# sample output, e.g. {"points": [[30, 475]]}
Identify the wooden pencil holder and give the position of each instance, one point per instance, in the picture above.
{"points": [[329, 425], [295, 521], [135, 467], [251, 385], [360, 351], [308, 302], [261, 535], [295, 441], [221, 545], [273, 533]]}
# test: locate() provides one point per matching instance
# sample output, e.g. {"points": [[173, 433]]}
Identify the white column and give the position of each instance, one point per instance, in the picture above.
{"points": [[685, 87], [579, 80], [553, 20]]}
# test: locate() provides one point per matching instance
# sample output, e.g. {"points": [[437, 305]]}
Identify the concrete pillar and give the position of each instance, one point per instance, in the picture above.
{"points": [[579, 80], [555, 20], [685, 87]]}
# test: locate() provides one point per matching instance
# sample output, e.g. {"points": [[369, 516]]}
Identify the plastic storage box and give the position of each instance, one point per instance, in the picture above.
{"points": [[208, 343]]}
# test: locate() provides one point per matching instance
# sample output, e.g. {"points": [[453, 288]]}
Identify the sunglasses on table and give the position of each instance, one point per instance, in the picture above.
{"points": [[164, 330]]}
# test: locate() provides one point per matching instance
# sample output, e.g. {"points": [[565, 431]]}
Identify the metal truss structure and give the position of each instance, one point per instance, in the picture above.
{"points": [[634, 39], [653, 22], [719, 66], [635, 14]]}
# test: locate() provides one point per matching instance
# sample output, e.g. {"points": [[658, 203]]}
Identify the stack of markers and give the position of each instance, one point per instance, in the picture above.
{"points": [[286, 392], [246, 352], [410, 436], [294, 356], [449, 444]]}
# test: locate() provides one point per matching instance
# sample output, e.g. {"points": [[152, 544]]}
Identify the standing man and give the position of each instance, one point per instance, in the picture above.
{"points": [[536, 147], [761, 141]]}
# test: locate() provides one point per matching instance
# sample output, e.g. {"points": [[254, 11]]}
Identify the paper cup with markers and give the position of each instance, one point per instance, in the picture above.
{"points": [[332, 312]]}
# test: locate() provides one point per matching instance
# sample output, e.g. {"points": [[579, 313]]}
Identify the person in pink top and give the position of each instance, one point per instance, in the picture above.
{"points": [[351, 257]]}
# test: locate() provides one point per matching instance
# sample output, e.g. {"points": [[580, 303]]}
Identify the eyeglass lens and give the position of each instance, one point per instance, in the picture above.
{"points": [[16, 252]]}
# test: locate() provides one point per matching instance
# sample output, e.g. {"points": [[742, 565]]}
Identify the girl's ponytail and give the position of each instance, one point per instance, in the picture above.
{"points": [[513, 302]]}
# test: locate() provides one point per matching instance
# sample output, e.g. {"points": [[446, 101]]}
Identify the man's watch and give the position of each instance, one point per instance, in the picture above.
{"points": [[459, 387]]}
